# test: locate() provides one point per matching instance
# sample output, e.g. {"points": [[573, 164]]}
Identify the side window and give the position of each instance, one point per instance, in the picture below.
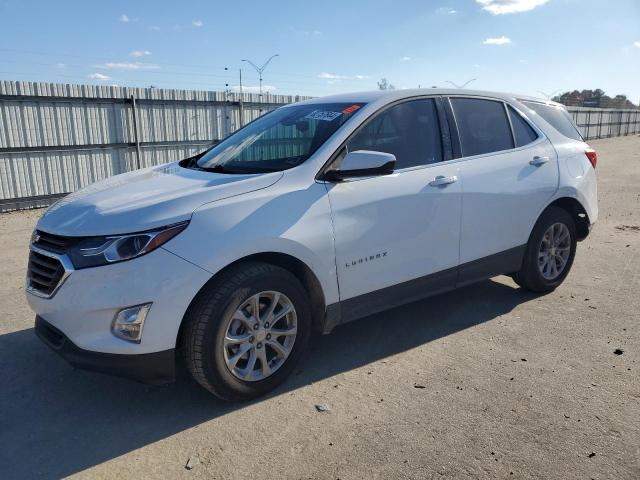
{"points": [[522, 131], [482, 125], [409, 130]]}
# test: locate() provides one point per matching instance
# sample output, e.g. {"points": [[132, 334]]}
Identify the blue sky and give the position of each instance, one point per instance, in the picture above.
{"points": [[327, 46]]}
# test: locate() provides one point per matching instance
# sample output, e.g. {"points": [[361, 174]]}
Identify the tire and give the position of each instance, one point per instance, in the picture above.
{"points": [[531, 277], [216, 309]]}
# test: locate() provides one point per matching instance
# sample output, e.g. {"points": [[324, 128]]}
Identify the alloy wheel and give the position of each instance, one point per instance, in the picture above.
{"points": [[555, 248], [260, 336]]}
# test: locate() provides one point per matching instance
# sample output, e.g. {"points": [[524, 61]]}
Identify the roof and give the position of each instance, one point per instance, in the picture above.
{"points": [[386, 96]]}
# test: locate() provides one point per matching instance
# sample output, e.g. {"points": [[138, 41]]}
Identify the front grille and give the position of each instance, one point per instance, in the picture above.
{"points": [[54, 243], [44, 272]]}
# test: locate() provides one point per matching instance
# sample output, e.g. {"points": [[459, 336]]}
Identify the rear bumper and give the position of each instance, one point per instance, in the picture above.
{"points": [[156, 368]]}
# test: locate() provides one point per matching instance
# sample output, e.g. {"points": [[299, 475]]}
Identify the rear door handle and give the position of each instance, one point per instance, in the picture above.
{"points": [[539, 161], [441, 180]]}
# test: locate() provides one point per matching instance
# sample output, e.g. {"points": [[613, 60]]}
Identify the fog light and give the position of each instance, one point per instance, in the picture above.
{"points": [[129, 321]]}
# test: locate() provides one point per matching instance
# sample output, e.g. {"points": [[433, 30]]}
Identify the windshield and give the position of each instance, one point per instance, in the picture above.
{"points": [[281, 139]]}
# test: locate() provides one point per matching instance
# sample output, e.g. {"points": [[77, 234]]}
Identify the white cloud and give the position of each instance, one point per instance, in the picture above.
{"points": [[140, 53], [306, 33], [405, 59], [125, 18], [155, 28], [333, 76], [502, 7], [197, 23], [636, 44], [445, 10], [129, 66], [497, 41], [99, 76], [253, 89]]}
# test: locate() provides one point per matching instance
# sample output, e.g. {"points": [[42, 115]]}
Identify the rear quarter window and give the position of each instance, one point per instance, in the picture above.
{"points": [[557, 117], [522, 131]]}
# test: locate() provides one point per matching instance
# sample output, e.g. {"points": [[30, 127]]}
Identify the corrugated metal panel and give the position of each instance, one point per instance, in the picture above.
{"points": [[95, 123], [605, 122]]}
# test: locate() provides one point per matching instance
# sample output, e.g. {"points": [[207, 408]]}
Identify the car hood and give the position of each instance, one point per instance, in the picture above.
{"points": [[145, 199]]}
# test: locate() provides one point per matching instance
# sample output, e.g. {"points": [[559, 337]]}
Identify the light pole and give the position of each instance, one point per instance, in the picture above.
{"points": [[260, 69], [548, 95], [463, 85]]}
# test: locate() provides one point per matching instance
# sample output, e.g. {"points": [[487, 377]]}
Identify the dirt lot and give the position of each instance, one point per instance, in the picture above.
{"points": [[484, 382]]}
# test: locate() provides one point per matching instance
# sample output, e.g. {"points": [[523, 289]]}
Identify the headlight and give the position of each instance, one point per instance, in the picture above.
{"points": [[94, 251]]}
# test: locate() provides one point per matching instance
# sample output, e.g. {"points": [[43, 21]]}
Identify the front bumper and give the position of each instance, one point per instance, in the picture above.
{"points": [[85, 305], [156, 368]]}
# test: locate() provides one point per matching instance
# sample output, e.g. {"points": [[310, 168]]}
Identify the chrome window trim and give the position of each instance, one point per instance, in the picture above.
{"points": [[66, 264]]}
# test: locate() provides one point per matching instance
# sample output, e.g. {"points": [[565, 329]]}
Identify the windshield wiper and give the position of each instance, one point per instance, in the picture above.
{"points": [[217, 169], [239, 171]]}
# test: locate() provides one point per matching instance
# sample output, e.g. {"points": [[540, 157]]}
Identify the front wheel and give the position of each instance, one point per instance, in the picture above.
{"points": [[550, 252], [245, 332]]}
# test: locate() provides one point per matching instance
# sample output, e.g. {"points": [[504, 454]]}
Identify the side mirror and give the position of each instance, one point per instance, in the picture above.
{"points": [[362, 163]]}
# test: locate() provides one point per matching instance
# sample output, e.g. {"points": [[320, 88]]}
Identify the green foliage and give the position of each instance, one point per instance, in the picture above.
{"points": [[577, 99], [384, 84]]}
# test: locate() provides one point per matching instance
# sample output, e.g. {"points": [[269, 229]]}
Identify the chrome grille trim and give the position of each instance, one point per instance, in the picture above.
{"points": [[62, 259]]}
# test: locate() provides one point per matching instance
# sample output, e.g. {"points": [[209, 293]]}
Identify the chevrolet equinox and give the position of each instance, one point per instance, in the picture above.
{"points": [[315, 214]]}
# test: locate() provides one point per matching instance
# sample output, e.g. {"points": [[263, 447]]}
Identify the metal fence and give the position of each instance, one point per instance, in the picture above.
{"points": [[605, 122], [56, 138]]}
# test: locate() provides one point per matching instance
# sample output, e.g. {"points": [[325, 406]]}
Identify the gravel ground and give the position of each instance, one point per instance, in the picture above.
{"points": [[484, 382]]}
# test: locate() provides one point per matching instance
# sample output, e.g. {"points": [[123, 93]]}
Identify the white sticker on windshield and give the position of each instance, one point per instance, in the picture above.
{"points": [[324, 116]]}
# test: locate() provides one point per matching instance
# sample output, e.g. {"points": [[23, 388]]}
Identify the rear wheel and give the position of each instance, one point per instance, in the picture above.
{"points": [[245, 332], [550, 252]]}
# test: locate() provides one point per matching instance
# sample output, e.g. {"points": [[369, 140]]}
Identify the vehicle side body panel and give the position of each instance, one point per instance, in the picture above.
{"points": [[296, 222], [503, 195], [395, 228]]}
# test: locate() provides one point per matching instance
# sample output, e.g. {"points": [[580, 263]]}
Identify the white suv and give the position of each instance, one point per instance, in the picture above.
{"points": [[313, 215]]}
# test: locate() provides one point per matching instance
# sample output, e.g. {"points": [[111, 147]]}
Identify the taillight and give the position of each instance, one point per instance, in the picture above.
{"points": [[592, 156]]}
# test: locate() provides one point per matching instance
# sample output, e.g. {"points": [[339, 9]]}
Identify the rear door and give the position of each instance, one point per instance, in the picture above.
{"points": [[397, 235], [510, 172]]}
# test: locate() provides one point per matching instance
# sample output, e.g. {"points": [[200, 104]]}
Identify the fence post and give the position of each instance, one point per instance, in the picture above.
{"points": [[136, 138]]}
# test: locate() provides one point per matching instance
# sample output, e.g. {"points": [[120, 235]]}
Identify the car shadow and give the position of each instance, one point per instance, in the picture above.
{"points": [[56, 421]]}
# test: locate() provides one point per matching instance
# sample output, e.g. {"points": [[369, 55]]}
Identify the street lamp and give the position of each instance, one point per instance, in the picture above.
{"points": [[548, 96], [463, 85], [260, 69]]}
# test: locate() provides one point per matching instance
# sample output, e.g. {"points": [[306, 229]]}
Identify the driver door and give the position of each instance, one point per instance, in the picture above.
{"points": [[397, 236]]}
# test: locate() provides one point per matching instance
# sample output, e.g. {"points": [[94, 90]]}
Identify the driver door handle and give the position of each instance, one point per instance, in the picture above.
{"points": [[440, 180], [538, 161]]}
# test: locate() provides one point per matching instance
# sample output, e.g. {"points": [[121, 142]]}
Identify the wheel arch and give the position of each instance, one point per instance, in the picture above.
{"points": [[294, 265], [577, 211]]}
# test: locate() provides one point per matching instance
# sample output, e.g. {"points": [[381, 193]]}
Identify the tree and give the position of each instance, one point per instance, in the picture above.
{"points": [[577, 99], [384, 84]]}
